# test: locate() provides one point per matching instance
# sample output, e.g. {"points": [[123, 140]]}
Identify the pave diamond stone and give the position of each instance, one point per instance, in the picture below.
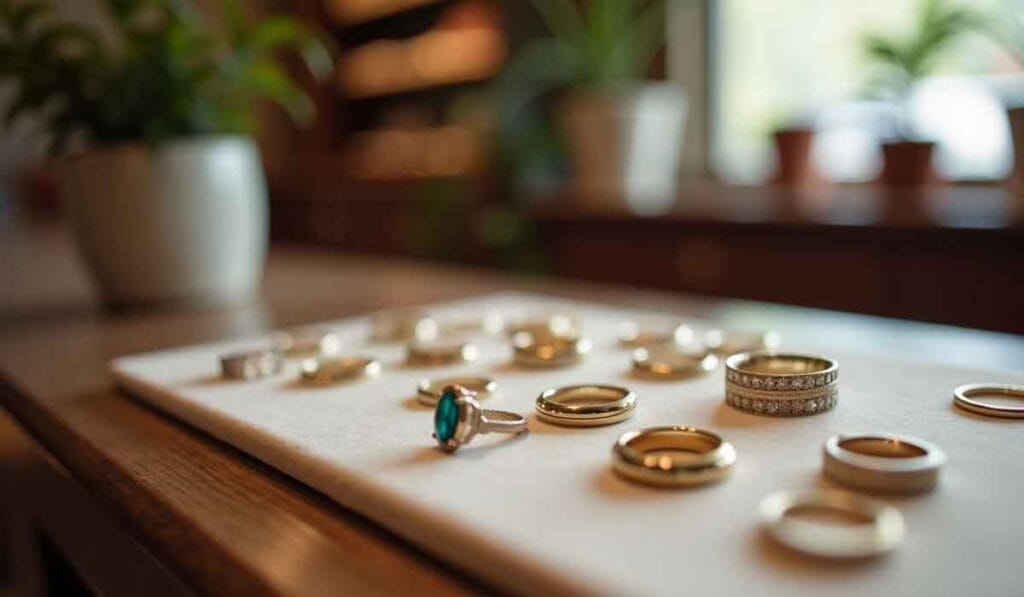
{"points": [[758, 406], [769, 383], [756, 382], [446, 417], [781, 384], [773, 408], [797, 408]]}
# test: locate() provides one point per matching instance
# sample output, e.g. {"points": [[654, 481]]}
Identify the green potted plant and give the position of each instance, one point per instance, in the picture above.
{"points": [[901, 64], [151, 135], [1008, 31], [623, 137]]}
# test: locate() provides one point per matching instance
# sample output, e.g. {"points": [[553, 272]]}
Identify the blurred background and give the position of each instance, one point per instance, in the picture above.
{"points": [[853, 155]]}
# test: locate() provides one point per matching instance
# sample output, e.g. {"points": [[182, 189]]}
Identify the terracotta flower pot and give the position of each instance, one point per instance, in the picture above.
{"points": [[1016, 117], [794, 147], [908, 163]]}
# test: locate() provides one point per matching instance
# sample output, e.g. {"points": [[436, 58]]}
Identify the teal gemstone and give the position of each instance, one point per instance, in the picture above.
{"points": [[446, 417]]}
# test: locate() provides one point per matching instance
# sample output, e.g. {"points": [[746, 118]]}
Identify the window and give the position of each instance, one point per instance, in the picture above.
{"points": [[791, 61]]}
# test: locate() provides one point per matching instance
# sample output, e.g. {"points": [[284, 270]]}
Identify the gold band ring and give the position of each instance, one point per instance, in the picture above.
{"points": [[883, 462], [530, 350], [443, 351], [963, 397], [328, 370], [671, 362], [303, 342], [585, 405], [881, 530], [429, 390], [672, 456]]}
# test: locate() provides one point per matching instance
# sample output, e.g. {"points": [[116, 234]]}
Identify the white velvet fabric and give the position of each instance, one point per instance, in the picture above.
{"points": [[543, 513]]}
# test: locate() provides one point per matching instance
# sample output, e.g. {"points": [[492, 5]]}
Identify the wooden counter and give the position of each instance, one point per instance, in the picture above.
{"points": [[136, 503]]}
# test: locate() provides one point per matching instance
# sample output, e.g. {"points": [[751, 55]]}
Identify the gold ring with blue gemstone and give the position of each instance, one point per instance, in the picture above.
{"points": [[458, 418]]}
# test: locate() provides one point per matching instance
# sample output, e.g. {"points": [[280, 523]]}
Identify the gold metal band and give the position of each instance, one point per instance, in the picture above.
{"points": [[306, 342], [963, 397], [446, 351], [883, 531], [328, 370], [585, 405], [671, 362], [672, 456], [548, 351], [429, 390]]}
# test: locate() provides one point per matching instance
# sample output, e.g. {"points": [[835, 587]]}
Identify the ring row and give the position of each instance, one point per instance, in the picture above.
{"points": [[784, 407], [781, 383]]}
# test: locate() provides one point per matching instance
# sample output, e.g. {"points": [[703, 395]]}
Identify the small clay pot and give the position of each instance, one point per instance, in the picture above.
{"points": [[908, 163], [794, 146]]}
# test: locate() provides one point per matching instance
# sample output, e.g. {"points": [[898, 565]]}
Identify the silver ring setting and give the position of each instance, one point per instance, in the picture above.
{"points": [[882, 529], [458, 418], [883, 462], [251, 365]]}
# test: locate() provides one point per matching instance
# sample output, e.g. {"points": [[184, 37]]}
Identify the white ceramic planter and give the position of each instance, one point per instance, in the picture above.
{"points": [[624, 145], [183, 222]]}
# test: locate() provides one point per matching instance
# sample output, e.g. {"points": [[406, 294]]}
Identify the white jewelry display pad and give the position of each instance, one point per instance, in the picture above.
{"points": [[542, 513]]}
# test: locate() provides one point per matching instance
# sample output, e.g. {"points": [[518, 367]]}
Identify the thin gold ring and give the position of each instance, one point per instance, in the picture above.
{"points": [[329, 370], [429, 391], [669, 362], [302, 342], [962, 397], [585, 405], [883, 529], [672, 456], [548, 351], [883, 462], [444, 351]]}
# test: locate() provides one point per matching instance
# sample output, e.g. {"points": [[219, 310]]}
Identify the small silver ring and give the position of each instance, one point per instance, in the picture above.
{"points": [[252, 364], [883, 529], [883, 462], [458, 418]]}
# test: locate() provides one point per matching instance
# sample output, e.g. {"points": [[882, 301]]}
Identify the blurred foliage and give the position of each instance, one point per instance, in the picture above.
{"points": [[1008, 31], [905, 60], [608, 43], [168, 73], [596, 43]]}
